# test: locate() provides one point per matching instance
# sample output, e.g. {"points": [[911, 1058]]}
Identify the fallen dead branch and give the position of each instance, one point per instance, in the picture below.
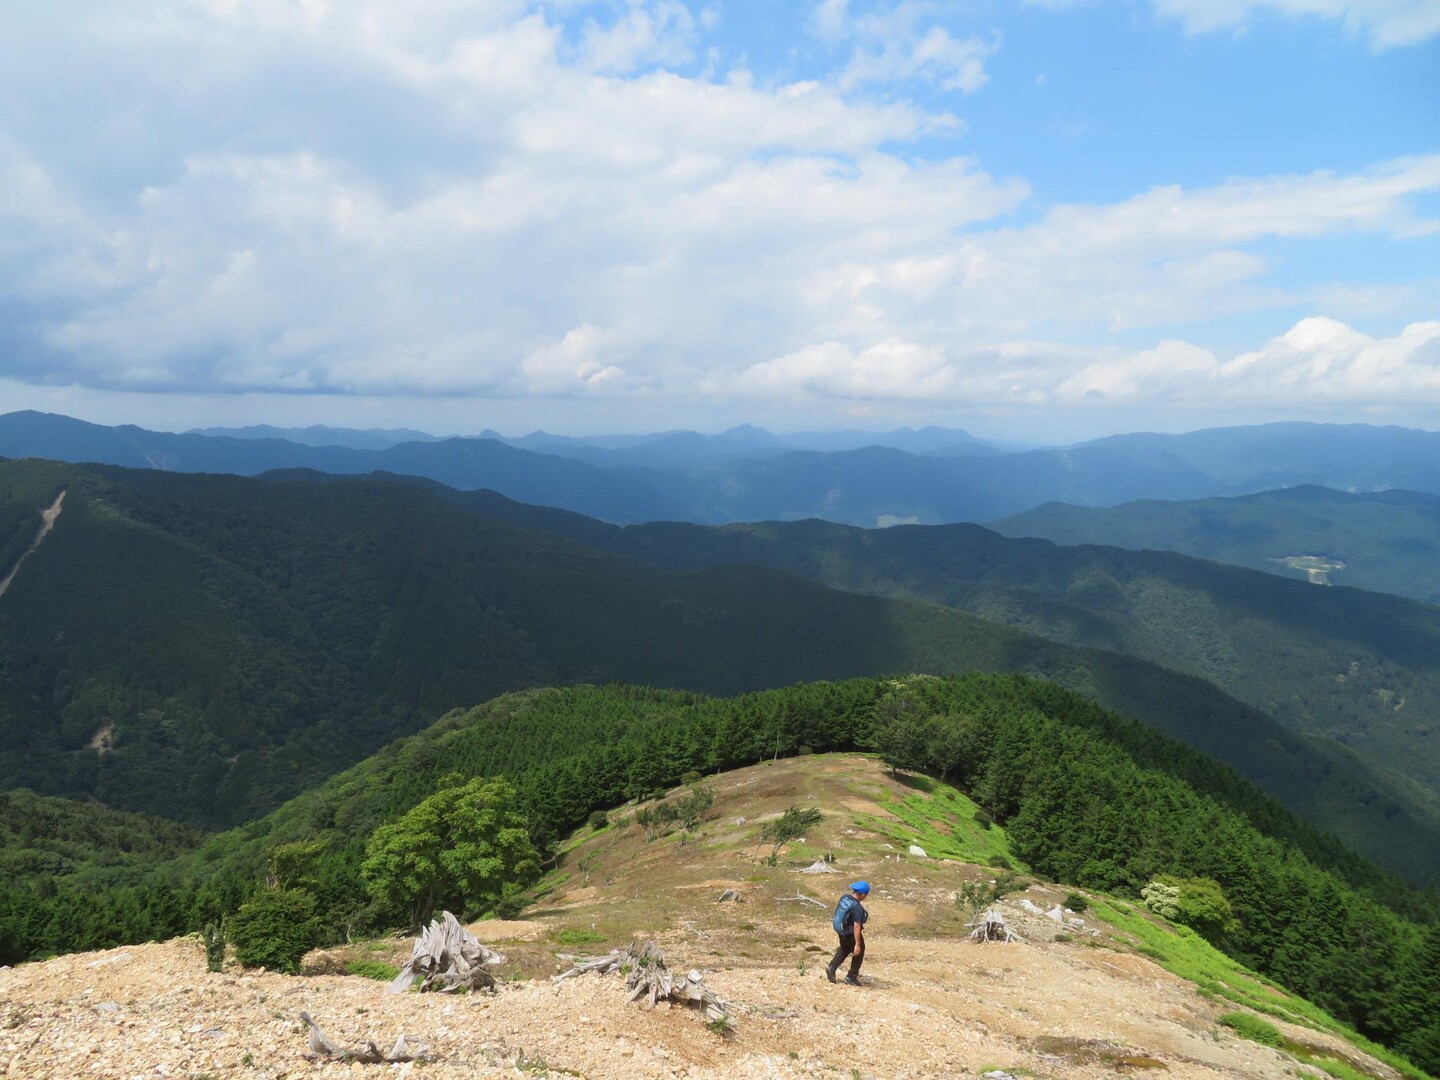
{"points": [[649, 980], [447, 958], [367, 1053]]}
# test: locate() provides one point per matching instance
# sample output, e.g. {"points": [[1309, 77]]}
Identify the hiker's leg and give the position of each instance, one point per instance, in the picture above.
{"points": [[847, 946], [856, 959]]}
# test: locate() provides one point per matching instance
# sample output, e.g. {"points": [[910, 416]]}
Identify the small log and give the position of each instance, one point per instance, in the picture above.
{"points": [[322, 1046], [801, 899]]}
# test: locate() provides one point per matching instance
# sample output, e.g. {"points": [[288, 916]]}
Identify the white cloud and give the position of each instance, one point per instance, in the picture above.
{"points": [[1382, 23], [550, 214], [1321, 359], [661, 32], [903, 42], [1318, 363]]}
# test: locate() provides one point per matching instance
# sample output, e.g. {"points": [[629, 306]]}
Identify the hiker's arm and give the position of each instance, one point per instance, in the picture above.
{"points": [[859, 936]]}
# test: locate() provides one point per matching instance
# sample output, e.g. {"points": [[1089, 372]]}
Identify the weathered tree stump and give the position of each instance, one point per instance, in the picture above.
{"points": [[447, 957], [649, 980], [991, 926]]}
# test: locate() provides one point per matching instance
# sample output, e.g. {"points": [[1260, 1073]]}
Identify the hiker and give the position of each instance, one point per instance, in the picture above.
{"points": [[849, 922]]}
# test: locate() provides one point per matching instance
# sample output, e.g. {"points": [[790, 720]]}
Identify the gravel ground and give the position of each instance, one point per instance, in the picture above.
{"points": [[929, 1009]]}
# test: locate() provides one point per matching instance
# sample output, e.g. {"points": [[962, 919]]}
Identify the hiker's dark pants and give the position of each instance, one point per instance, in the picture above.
{"points": [[847, 948]]}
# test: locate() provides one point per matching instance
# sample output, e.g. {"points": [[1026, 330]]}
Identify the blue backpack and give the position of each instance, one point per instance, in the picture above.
{"points": [[844, 913]]}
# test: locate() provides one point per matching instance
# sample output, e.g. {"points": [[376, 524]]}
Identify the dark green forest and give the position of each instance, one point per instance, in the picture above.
{"points": [[204, 647], [1087, 798]]}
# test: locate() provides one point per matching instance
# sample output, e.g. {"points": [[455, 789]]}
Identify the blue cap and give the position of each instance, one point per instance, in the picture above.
{"points": [[862, 887]]}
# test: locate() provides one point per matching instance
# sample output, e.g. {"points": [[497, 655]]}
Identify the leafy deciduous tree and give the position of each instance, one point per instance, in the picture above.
{"points": [[461, 846]]}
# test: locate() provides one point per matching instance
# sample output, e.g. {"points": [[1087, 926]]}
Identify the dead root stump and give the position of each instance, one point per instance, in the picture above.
{"points": [[649, 980], [447, 958], [991, 926]]}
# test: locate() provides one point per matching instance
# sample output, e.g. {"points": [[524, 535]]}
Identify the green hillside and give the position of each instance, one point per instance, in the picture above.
{"points": [[1359, 670], [1086, 798], [1385, 541], [203, 647]]}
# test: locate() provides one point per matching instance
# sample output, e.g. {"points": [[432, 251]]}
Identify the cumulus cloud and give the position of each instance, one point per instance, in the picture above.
{"points": [[480, 199], [1319, 362]]}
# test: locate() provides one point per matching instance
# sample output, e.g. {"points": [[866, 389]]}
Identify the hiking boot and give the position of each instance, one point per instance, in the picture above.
{"points": [[830, 973], [852, 980]]}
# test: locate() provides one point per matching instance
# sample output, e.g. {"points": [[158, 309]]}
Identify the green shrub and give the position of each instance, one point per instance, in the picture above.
{"points": [[1249, 1026], [598, 820], [274, 929], [574, 937], [214, 937], [690, 776], [372, 969], [1000, 862], [510, 904], [1077, 903], [983, 819]]}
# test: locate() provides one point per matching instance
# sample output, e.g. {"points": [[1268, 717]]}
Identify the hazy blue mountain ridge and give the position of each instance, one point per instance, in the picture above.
{"points": [[742, 476]]}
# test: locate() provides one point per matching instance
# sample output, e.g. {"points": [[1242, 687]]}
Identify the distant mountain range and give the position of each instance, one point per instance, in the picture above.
{"points": [[664, 449], [743, 475], [320, 435]]}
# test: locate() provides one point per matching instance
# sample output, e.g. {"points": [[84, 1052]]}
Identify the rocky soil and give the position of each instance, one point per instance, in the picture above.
{"points": [[929, 1009]]}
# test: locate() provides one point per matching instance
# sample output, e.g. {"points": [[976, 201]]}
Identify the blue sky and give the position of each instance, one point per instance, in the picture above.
{"points": [[1034, 220]]}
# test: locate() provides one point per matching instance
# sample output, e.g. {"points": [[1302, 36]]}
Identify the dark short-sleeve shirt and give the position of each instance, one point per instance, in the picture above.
{"points": [[850, 911]]}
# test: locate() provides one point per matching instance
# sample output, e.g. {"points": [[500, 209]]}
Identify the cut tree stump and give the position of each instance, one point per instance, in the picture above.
{"points": [[649, 980], [447, 957], [367, 1053], [819, 866]]}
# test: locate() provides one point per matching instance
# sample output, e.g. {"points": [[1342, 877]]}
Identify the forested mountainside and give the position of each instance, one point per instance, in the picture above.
{"points": [[203, 647], [1085, 798], [744, 476], [1384, 541], [1361, 669]]}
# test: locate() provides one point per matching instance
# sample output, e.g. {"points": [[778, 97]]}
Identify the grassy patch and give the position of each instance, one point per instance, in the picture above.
{"points": [[574, 937], [941, 820], [372, 969], [1249, 1026], [1183, 952]]}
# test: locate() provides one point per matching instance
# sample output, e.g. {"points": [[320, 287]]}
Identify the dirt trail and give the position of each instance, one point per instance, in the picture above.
{"points": [[47, 522]]}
